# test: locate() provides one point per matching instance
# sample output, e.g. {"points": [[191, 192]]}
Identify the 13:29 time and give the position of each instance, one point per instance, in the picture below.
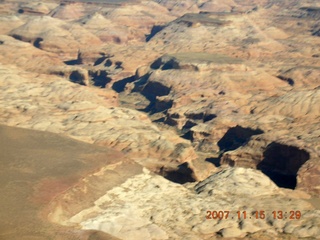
{"points": [[284, 215]]}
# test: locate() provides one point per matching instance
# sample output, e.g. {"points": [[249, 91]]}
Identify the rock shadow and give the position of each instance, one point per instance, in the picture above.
{"points": [[281, 164], [181, 175], [151, 90], [72, 62], [100, 78], [235, 137], [290, 81], [214, 161], [120, 85], [78, 77], [37, 42], [155, 29]]}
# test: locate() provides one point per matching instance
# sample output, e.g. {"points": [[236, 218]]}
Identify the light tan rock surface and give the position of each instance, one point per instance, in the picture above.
{"points": [[90, 115], [54, 35], [145, 206]]}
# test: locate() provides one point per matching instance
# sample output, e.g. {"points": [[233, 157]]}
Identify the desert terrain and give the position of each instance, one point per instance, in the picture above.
{"points": [[160, 119]]}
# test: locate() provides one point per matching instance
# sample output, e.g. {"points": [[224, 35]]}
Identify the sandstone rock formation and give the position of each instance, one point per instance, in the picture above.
{"points": [[88, 115], [53, 35], [139, 207]]}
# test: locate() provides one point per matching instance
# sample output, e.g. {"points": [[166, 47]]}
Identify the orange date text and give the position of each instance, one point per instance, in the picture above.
{"points": [[260, 214]]}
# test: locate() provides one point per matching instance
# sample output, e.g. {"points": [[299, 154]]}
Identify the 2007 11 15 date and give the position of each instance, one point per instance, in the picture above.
{"points": [[261, 214]]}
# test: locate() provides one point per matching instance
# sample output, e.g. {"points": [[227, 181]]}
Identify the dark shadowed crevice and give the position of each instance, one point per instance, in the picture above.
{"points": [[37, 42], [138, 85], [290, 81], [189, 124], [165, 65], [159, 120], [151, 91], [154, 89], [203, 116], [120, 85], [195, 116], [77, 77], [118, 65], [235, 137], [99, 78], [156, 64], [171, 120], [181, 175], [186, 130], [281, 164], [281, 180], [209, 117], [162, 105], [172, 64], [99, 61], [18, 37], [155, 29], [215, 161], [72, 62], [188, 135], [108, 63]]}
